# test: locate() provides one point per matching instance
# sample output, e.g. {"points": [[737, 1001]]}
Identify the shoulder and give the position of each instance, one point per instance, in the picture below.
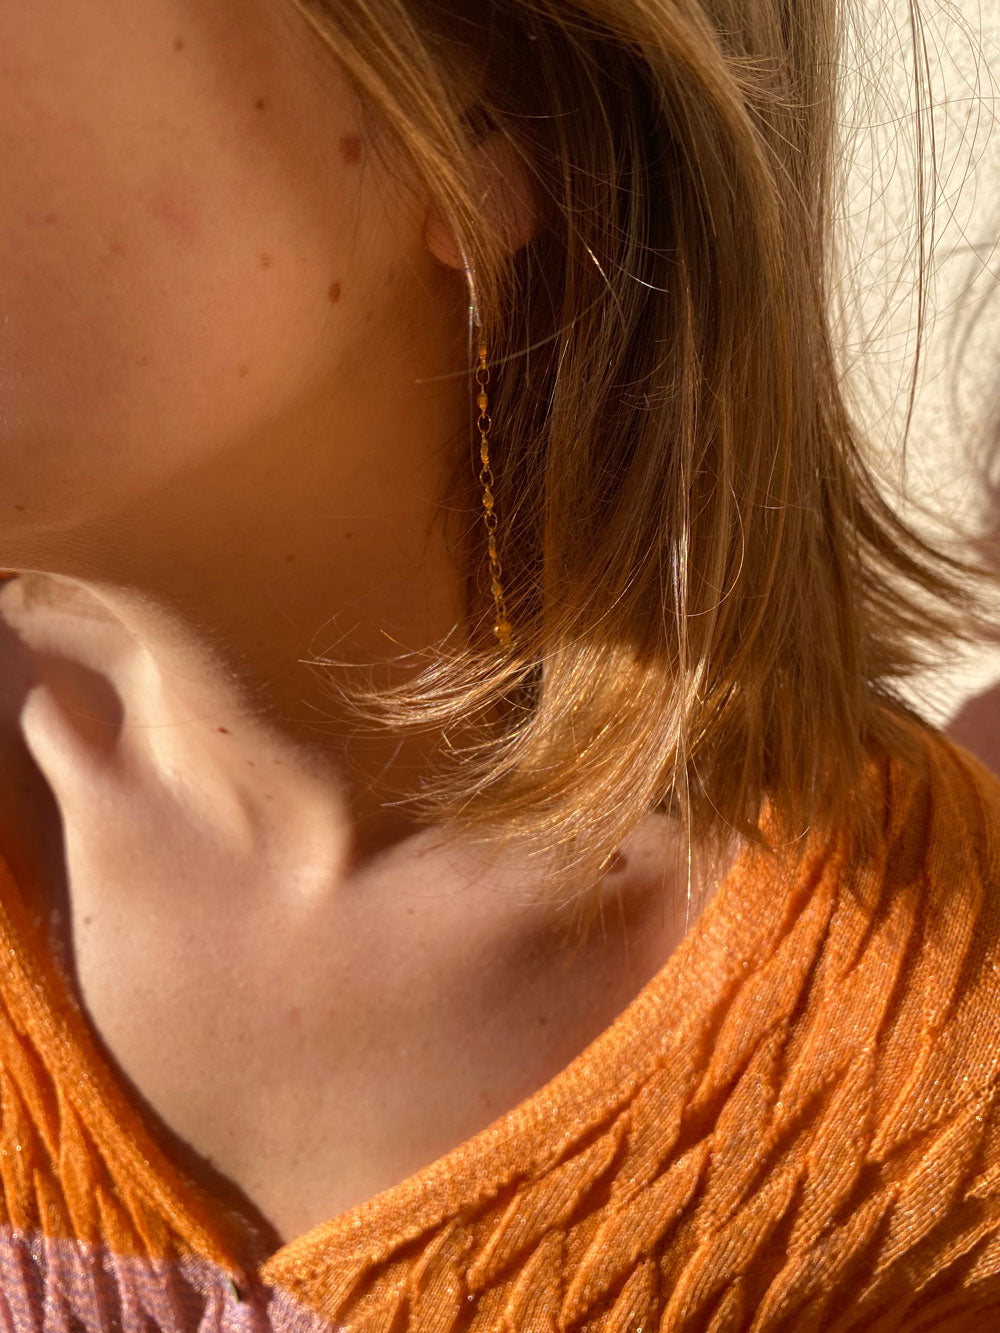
{"points": [[929, 890], [921, 862], [885, 1081], [817, 1146], [832, 1156], [909, 968]]}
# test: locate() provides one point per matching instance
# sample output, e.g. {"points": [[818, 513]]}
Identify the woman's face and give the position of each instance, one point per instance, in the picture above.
{"points": [[194, 242]]}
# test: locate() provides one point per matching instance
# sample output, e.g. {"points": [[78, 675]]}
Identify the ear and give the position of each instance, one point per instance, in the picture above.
{"points": [[507, 192]]}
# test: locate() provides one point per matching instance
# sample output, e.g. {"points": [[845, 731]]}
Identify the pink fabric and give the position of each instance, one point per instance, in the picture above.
{"points": [[62, 1286]]}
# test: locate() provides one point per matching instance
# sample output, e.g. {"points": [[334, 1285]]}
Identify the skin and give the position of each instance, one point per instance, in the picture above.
{"points": [[233, 382]]}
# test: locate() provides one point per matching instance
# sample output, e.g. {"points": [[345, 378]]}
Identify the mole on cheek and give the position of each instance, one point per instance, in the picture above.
{"points": [[350, 148], [333, 291], [261, 103], [178, 43], [266, 261]]}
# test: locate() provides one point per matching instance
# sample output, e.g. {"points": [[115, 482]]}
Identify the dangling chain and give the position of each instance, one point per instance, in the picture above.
{"points": [[502, 627]]}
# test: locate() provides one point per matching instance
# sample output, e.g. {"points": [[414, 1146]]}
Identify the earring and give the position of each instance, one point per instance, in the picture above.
{"points": [[502, 626]]}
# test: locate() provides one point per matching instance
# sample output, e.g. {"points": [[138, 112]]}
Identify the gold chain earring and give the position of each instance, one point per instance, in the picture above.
{"points": [[502, 626]]}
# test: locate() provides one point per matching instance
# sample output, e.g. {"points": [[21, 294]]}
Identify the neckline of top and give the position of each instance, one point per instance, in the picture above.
{"points": [[719, 950]]}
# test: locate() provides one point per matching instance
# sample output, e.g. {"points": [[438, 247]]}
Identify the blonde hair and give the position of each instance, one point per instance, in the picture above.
{"points": [[712, 598]]}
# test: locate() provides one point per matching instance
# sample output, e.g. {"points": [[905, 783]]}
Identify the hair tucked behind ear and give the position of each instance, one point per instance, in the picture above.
{"points": [[711, 596]]}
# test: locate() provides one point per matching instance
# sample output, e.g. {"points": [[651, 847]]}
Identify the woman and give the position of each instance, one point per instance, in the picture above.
{"points": [[433, 524]]}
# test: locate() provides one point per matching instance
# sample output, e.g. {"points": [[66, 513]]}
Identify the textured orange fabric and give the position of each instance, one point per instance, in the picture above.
{"points": [[795, 1126]]}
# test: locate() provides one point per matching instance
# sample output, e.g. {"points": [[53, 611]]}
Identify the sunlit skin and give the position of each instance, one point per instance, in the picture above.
{"points": [[233, 389]]}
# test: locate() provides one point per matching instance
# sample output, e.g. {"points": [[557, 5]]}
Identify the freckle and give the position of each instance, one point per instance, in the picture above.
{"points": [[348, 535], [178, 43], [142, 361], [244, 371], [260, 103], [293, 1015], [350, 148], [266, 261], [542, 1021], [224, 730], [333, 291], [50, 218], [19, 508], [87, 920], [251, 764], [175, 214], [289, 559]]}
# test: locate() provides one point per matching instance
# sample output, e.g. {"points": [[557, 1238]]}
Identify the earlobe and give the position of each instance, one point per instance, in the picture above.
{"points": [[508, 192], [439, 239]]}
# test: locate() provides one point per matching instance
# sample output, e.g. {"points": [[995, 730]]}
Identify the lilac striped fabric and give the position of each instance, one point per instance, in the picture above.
{"points": [[63, 1286]]}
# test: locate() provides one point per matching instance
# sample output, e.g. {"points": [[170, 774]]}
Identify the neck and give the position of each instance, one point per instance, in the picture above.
{"points": [[127, 693], [170, 636]]}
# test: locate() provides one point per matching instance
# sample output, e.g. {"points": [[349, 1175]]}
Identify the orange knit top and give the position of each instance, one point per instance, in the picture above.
{"points": [[794, 1126]]}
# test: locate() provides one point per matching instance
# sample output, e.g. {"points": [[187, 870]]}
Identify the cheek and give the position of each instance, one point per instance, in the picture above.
{"points": [[134, 343], [174, 269]]}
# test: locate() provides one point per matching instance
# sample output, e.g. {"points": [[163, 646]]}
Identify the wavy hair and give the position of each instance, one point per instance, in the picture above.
{"points": [[713, 599]]}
